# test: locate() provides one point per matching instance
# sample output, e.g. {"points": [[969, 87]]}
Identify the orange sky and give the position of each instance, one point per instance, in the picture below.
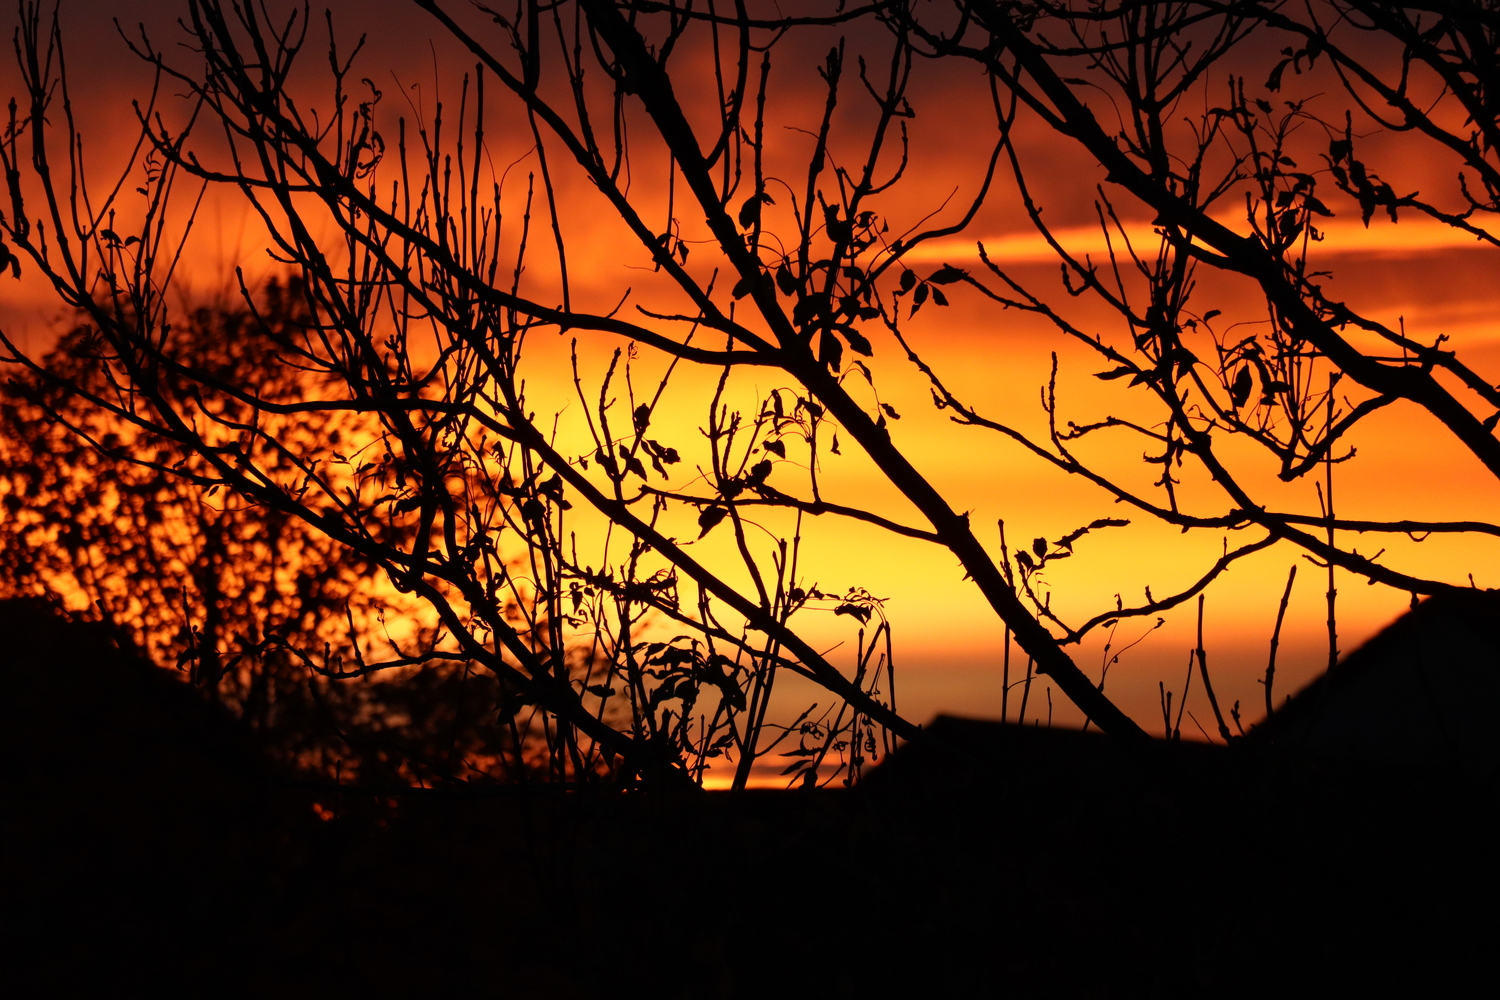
{"points": [[949, 641]]}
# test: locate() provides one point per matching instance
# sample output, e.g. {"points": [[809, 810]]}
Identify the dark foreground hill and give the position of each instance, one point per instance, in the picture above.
{"points": [[145, 848]]}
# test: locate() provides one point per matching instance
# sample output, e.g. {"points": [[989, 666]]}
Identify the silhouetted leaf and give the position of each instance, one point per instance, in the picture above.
{"points": [[750, 210], [708, 517], [1316, 207], [1240, 391], [785, 281], [857, 341], [854, 611], [830, 350], [667, 455]]}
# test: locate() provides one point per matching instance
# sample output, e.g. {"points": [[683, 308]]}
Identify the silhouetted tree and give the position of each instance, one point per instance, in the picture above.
{"points": [[794, 265], [275, 620]]}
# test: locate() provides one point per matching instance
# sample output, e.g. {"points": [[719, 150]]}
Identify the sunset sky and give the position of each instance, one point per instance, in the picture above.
{"points": [[1422, 274]]}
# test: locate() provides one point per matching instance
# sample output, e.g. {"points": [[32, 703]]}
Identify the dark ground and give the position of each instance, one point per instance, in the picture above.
{"points": [[143, 849]]}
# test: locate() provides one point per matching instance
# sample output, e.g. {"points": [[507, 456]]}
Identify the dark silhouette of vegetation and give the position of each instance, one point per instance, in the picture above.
{"points": [[558, 553], [238, 596]]}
